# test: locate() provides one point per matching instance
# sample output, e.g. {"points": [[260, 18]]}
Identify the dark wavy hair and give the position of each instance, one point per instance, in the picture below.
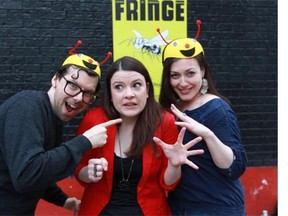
{"points": [[169, 96], [148, 119]]}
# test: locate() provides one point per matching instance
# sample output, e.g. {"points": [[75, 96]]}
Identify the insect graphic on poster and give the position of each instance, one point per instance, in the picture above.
{"points": [[152, 46]]}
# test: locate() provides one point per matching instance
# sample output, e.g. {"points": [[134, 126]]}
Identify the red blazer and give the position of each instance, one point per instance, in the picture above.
{"points": [[151, 188]]}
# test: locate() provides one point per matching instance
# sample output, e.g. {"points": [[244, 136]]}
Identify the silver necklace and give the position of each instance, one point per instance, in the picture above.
{"points": [[124, 183]]}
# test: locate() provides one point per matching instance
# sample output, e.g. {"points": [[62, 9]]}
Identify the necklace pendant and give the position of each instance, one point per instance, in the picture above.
{"points": [[124, 185]]}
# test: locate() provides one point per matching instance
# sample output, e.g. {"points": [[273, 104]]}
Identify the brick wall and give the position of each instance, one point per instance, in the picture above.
{"points": [[239, 38]]}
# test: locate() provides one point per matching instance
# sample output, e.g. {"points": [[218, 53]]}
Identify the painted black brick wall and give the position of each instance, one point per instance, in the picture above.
{"points": [[239, 38]]}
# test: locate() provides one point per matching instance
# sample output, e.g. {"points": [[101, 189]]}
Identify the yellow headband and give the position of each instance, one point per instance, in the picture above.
{"points": [[182, 48], [84, 61]]}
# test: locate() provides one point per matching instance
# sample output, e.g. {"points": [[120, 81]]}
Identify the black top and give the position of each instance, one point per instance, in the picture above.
{"points": [[124, 202]]}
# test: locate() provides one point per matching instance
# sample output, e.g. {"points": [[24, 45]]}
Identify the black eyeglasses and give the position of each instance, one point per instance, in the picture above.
{"points": [[72, 89]]}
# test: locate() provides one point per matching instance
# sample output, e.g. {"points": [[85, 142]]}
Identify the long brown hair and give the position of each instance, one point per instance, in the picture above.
{"points": [[148, 119], [169, 96]]}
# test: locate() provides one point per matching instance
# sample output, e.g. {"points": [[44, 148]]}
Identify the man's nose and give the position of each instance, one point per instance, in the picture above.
{"points": [[79, 96]]}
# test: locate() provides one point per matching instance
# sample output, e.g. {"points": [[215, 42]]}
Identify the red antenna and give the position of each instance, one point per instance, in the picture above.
{"points": [[158, 30], [109, 54], [79, 43], [71, 51], [198, 22]]}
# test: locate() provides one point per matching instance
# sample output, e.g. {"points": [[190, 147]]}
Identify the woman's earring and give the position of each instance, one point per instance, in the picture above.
{"points": [[204, 87]]}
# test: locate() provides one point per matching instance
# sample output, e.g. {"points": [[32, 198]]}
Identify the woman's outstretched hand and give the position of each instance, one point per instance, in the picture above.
{"points": [[189, 123], [178, 153]]}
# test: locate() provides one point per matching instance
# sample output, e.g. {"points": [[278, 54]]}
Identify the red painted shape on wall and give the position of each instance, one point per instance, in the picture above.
{"points": [[260, 185]]}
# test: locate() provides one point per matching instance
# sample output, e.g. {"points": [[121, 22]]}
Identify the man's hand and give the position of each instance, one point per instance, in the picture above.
{"points": [[72, 204], [98, 134]]}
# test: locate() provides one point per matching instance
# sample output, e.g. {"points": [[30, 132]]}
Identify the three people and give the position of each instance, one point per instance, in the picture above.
{"points": [[131, 173], [32, 155], [187, 90]]}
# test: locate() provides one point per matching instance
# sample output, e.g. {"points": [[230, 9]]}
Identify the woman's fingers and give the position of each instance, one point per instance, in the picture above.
{"points": [[193, 142], [191, 164]]}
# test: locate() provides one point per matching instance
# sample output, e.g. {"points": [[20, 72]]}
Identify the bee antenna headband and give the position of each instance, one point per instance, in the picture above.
{"points": [[109, 54], [158, 30], [71, 51], [182, 47], [198, 23], [84, 61]]}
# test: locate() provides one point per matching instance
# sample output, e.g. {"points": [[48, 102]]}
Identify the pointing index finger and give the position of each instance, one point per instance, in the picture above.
{"points": [[111, 122]]}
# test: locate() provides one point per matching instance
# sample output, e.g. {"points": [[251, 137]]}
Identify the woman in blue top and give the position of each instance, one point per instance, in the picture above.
{"points": [[188, 91]]}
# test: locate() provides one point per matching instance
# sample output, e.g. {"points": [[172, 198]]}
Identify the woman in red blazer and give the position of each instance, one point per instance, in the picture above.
{"points": [[131, 174]]}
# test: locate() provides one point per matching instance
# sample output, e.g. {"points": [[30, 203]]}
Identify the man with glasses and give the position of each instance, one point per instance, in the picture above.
{"points": [[32, 155]]}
